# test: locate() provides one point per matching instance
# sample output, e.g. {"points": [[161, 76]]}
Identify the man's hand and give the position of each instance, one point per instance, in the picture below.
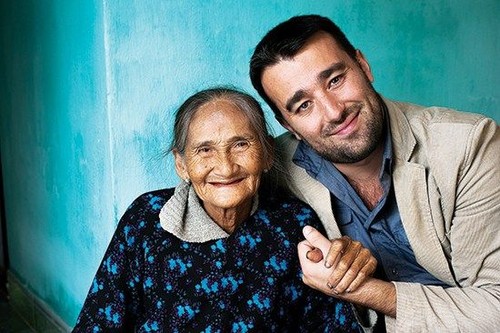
{"points": [[362, 289], [352, 263]]}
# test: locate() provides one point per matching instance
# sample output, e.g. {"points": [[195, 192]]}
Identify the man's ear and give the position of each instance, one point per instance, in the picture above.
{"points": [[363, 63], [180, 165], [284, 123]]}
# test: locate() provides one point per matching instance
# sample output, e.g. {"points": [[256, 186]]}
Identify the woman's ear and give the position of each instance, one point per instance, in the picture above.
{"points": [[180, 165]]}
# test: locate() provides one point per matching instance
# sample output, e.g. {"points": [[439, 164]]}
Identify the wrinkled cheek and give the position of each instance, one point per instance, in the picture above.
{"points": [[256, 160], [198, 168], [255, 183], [194, 163], [201, 191]]}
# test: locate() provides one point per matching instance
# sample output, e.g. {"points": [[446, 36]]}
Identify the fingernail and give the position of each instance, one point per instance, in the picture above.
{"points": [[329, 285], [306, 230], [307, 255], [328, 264]]}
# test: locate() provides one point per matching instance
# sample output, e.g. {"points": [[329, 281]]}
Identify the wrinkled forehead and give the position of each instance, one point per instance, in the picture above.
{"points": [[217, 109], [219, 117]]}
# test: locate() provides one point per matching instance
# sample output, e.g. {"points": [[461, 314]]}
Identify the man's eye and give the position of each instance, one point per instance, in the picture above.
{"points": [[304, 106], [334, 81]]}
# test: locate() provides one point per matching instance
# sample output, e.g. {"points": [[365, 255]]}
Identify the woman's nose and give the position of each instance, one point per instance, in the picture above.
{"points": [[225, 165]]}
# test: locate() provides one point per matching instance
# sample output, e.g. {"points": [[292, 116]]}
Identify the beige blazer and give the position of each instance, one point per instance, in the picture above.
{"points": [[446, 178]]}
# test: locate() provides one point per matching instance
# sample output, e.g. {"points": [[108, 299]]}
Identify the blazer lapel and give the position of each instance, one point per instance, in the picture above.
{"points": [[304, 186], [318, 197], [411, 189]]}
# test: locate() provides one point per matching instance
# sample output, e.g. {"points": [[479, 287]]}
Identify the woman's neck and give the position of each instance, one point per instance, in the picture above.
{"points": [[229, 218]]}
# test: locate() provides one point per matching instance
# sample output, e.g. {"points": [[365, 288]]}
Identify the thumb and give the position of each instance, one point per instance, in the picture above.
{"points": [[316, 239]]}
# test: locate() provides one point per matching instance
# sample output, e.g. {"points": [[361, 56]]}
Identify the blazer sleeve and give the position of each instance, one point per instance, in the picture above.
{"points": [[473, 303]]}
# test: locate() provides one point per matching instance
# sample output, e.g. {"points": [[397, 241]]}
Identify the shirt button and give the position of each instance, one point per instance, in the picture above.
{"points": [[394, 272]]}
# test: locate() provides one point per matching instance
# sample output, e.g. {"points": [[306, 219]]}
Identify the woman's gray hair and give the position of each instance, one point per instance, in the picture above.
{"points": [[243, 101]]}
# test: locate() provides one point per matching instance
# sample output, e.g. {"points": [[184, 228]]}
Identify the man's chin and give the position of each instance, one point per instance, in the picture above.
{"points": [[346, 156]]}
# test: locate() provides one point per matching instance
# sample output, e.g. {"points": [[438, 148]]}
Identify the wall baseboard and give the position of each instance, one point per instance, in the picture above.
{"points": [[32, 309]]}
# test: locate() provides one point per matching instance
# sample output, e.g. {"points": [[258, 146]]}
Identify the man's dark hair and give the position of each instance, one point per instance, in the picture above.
{"points": [[286, 40]]}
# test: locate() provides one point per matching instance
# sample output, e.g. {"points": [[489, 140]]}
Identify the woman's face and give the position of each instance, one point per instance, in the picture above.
{"points": [[223, 158]]}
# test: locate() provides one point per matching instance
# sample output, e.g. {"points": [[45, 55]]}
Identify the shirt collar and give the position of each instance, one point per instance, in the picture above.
{"points": [[387, 156]]}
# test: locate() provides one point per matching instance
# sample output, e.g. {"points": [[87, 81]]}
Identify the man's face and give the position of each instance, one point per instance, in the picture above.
{"points": [[326, 99]]}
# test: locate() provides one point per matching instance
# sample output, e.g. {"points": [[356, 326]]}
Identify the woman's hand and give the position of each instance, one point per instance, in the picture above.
{"points": [[346, 266]]}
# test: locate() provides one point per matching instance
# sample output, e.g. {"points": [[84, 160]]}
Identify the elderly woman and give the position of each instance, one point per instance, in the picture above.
{"points": [[215, 254]]}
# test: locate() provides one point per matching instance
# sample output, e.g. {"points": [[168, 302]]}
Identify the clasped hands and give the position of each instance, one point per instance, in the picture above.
{"points": [[345, 267]]}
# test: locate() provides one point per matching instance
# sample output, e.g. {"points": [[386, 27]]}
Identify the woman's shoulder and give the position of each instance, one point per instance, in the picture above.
{"points": [[281, 199], [287, 211], [143, 212], [152, 201]]}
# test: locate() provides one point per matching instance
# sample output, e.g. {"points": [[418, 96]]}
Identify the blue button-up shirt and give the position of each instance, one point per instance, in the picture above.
{"points": [[380, 230]]}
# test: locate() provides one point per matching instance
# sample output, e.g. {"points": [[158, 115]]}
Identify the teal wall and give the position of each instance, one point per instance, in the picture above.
{"points": [[88, 90]]}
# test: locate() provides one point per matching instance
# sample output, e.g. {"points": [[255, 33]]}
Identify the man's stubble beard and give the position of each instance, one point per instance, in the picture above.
{"points": [[361, 145]]}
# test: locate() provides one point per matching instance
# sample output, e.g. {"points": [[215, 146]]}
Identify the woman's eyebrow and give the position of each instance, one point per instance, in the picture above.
{"points": [[229, 140]]}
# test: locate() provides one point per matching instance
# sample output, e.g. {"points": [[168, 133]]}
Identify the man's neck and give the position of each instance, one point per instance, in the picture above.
{"points": [[364, 177]]}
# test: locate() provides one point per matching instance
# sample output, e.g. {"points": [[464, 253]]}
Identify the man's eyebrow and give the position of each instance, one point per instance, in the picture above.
{"points": [[323, 75], [299, 94]]}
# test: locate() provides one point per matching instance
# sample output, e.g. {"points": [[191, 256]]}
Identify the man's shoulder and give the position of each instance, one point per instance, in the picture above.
{"points": [[435, 124], [437, 135], [286, 144], [429, 115]]}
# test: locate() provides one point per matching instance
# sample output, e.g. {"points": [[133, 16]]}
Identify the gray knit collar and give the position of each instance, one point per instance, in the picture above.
{"points": [[184, 217]]}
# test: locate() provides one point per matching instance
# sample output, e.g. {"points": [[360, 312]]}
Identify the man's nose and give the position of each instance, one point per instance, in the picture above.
{"points": [[331, 108]]}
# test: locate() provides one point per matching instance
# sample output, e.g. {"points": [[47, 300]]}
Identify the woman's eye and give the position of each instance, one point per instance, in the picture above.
{"points": [[241, 144], [203, 150]]}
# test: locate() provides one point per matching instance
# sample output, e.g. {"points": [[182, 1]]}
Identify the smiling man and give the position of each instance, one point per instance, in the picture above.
{"points": [[418, 186]]}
